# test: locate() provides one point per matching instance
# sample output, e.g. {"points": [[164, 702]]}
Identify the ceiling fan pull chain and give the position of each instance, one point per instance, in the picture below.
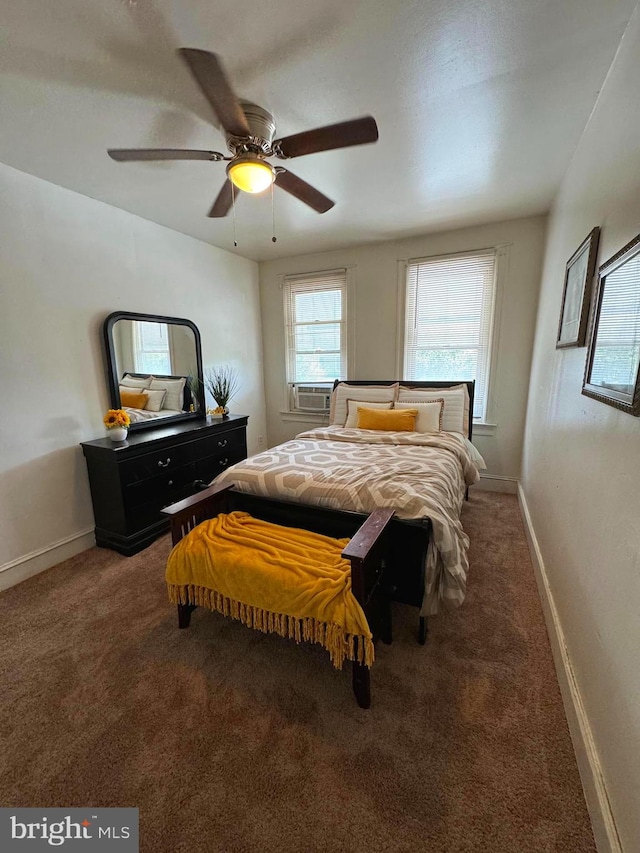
{"points": [[273, 217], [233, 205]]}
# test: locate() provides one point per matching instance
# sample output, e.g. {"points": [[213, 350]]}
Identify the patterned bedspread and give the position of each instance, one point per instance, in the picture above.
{"points": [[419, 475]]}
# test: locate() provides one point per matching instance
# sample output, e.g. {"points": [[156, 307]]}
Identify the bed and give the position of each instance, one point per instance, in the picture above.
{"points": [[137, 416], [341, 472], [165, 396]]}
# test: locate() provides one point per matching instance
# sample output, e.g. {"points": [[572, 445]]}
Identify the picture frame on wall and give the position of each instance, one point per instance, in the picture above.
{"points": [[612, 372], [576, 295]]}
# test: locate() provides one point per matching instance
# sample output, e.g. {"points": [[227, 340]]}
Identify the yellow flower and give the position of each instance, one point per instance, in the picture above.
{"points": [[116, 418]]}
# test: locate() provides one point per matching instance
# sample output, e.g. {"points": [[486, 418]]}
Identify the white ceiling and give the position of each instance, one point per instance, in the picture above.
{"points": [[479, 104]]}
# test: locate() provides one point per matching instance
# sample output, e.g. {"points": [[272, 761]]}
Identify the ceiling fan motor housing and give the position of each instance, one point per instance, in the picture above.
{"points": [[262, 126]]}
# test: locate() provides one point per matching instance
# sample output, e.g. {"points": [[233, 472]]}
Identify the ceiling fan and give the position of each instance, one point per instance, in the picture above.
{"points": [[249, 131]]}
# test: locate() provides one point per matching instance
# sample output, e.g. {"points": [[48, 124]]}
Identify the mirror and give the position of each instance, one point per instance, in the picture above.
{"points": [[154, 367], [612, 373]]}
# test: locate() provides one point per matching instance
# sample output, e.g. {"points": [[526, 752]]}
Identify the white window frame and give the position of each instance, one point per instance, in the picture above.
{"points": [[139, 351], [486, 420], [306, 281]]}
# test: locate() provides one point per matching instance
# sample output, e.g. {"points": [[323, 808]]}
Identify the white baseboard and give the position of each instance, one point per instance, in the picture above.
{"points": [[493, 483], [38, 561], [602, 820]]}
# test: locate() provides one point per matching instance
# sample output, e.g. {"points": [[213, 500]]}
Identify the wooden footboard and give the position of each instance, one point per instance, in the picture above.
{"points": [[407, 540], [363, 550], [188, 513]]}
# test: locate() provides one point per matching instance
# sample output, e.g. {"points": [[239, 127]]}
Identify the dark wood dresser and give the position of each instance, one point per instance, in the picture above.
{"points": [[131, 481]]}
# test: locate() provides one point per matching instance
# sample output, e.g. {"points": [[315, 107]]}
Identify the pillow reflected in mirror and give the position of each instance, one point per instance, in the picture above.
{"points": [[132, 398], [135, 382], [175, 390], [155, 399]]}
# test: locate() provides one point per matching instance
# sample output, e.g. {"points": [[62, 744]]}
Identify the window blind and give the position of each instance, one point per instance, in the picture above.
{"points": [[617, 345], [151, 342], [449, 319], [315, 317]]}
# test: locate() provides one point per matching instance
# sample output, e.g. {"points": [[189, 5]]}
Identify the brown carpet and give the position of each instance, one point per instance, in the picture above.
{"points": [[230, 740]]}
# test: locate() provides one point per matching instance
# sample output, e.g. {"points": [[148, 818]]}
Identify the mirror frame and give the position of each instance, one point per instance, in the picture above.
{"points": [[113, 379], [626, 402]]}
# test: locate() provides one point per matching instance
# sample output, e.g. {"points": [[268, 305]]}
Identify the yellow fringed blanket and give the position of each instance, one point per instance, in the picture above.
{"points": [[281, 580]]}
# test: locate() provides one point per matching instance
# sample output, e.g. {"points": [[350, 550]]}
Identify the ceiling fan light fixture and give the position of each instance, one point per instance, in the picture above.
{"points": [[250, 174]]}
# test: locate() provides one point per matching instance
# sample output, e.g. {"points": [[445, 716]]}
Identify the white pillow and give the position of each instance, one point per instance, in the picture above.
{"points": [[174, 389], [132, 382], [154, 399], [354, 405], [453, 415], [429, 417], [361, 393]]}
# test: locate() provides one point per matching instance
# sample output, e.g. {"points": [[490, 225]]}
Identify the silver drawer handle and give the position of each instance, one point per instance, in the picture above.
{"points": [[162, 464], [222, 462], [222, 443]]}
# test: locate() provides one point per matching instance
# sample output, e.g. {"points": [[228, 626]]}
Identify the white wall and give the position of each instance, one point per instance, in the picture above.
{"points": [[582, 458], [66, 262], [375, 271]]}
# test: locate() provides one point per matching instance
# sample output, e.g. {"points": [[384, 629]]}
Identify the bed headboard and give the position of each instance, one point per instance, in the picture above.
{"points": [[414, 383]]}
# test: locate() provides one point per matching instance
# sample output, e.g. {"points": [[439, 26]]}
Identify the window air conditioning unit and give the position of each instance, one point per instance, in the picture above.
{"points": [[310, 398]]}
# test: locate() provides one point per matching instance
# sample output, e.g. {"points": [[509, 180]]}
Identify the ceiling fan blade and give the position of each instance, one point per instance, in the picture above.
{"points": [[302, 190], [358, 131], [130, 154], [222, 204], [209, 75]]}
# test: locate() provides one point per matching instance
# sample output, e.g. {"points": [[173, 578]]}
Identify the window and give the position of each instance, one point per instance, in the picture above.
{"points": [[449, 318], [151, 347], [315, 320]]}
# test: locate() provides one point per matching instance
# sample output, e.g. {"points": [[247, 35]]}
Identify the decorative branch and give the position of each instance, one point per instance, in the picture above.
{"points": [[222, 383]]}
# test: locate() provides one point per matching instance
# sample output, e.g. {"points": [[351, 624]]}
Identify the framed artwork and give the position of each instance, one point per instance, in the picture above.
{"points": [[612, 373], [576, 296]]}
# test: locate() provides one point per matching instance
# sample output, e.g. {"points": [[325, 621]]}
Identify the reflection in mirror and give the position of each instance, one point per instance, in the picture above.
{"points": [[155, 367], [613, 359]]}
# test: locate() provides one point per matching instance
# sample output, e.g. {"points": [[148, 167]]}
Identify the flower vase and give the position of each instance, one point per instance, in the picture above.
{"points": [[118, 433], [219, 412]]}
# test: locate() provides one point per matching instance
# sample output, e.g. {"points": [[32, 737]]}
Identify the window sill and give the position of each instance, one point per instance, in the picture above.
{"points": [[305, 417], [481, 428]]}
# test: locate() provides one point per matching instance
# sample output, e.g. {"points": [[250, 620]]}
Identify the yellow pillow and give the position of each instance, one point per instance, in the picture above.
{"points": [[133, 399], [398, 420]]}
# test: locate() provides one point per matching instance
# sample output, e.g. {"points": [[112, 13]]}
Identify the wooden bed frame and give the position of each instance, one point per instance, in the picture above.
{"points": [[366, 552], [407, 539]]}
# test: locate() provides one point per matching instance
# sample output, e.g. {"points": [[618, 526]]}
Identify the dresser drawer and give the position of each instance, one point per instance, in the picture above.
{"points": [[227, 443], [162, 488], [209, 468], [151, 464], [146, 514]]}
